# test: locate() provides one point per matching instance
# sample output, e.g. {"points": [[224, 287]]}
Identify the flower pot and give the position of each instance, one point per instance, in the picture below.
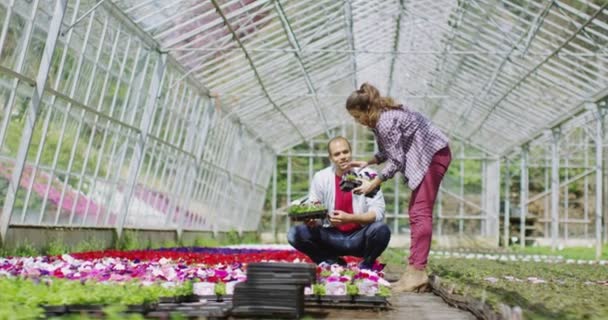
{"points": [[348, 185]]}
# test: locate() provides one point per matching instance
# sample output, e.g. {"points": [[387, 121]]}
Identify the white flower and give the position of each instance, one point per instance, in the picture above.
{"points": [[335, 288], [491, 279], [367, 287], [203, 288]]}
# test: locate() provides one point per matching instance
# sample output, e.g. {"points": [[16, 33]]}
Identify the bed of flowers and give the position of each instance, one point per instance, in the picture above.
{"points": [[133, 278]]}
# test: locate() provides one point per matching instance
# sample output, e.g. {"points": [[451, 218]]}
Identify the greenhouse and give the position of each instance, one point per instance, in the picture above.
{"points": [[154, 155]]}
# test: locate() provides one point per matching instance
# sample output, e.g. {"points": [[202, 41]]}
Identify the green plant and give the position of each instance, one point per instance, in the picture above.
{"points": [[128, 241], [55, 248], [232, 237], [26, 250], [352, 289], [350, 177], [383, 291], [305, 208], [89, 244], [220, 289], [318, 289], [206, 242]]}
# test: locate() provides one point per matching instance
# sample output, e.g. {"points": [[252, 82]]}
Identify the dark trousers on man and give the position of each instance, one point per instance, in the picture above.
{"points": [[328, 244]]}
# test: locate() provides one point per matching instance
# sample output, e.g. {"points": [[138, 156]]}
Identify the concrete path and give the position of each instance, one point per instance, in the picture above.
{"points": [[419, 306]]}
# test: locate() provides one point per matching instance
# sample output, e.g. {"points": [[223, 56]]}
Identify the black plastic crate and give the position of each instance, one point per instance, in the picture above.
{"points": [[269, 312], [249, 294], [282, 273]]}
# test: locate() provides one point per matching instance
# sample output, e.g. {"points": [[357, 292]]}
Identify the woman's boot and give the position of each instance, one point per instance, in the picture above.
{"points": [[413, 280]]}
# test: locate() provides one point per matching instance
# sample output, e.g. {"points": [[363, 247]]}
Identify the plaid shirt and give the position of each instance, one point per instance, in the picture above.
{"points": [[407, 141]]}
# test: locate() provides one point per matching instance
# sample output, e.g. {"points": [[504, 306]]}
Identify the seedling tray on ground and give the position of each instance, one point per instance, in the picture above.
{"points": [[268, 312], [319, 214], [346, 301], [180, 299], [247, 294]]}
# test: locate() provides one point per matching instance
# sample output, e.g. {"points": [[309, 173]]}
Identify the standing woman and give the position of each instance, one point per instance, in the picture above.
{"points": [[409, 143]]}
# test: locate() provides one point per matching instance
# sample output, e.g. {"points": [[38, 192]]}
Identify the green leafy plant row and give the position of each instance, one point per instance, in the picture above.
{"points": [[542, 290], [28, 296]]}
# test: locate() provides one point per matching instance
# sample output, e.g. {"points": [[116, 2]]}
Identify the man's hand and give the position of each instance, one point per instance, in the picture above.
{"points": [[367, 186], [339, 217]]}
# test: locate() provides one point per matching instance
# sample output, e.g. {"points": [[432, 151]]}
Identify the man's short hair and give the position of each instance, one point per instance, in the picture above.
{"points": [[336, 139]]}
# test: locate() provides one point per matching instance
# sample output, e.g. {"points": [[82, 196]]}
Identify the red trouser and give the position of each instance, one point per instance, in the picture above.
{"points": [[421, 208]]}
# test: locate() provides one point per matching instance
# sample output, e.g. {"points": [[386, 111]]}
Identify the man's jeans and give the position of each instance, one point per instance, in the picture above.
{"points": [[322, 244]]}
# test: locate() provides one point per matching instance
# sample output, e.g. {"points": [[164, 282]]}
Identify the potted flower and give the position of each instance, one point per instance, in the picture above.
{"points": [[349, 182], [220, 291]]}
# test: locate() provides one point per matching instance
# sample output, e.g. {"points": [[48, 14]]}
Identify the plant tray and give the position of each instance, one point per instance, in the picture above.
{"points": [[55, 310], [346, 301], [271, 312], [180, 299], [348, 186], [319, 214]]}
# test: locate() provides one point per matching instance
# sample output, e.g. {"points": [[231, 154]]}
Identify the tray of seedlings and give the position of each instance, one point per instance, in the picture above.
{"points": [[306, 211]]}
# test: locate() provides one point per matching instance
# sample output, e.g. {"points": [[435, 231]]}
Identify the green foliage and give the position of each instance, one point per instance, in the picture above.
{"points": [[383, 291], [55, 248], [250, 237], [318, 290], [350, 177], [89, 244], [232, 237], [305, 208], [26, 296], [570, 291], [206, 242], [352, 289], [220, 289], [26, 250], [129, 241], [585, 253]]}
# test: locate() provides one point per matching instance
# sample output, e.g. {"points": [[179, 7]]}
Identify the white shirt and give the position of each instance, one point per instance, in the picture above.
{"points": [[323, 189]]}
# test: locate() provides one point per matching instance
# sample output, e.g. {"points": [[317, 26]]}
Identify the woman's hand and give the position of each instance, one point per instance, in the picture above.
{"points": [[338, 217], [367, 186]]}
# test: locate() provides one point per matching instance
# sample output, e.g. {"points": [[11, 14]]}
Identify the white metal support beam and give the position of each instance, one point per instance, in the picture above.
{"points": [[395, 48], [32, 114], [348, 26], [485, 90], [555, 187], [507, 206], [599, 170], [254, 69], [121, 16], [523, 195], [494, 105], [293, 41], [140, 147]]}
